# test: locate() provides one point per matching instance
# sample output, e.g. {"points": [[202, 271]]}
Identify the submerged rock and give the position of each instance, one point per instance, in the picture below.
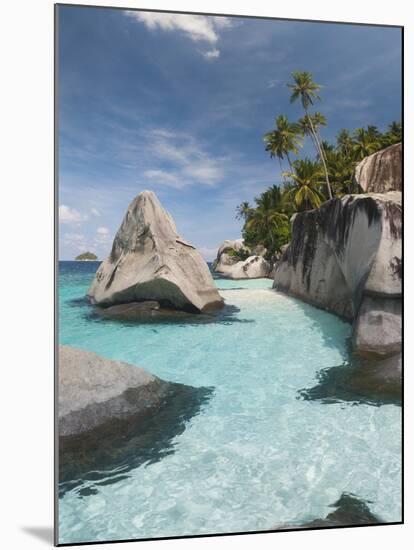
{"points": [[113, 417], [150, 261], [346, 257], [362, 380], [350, 510], [230, 265], [144, 311], [94, 391], [382, 171]]}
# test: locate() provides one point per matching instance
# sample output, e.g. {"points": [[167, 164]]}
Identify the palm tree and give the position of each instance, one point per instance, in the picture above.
{"points": [[344, 143], [275, 196], [265, 220], [365, 143], [306, 181], [306, 89], [243, 211], [340, 168], [393, 134], [284, 140]]}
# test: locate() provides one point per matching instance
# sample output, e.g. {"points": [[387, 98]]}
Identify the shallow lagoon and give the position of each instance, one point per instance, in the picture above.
{"points": [[256, 454]]}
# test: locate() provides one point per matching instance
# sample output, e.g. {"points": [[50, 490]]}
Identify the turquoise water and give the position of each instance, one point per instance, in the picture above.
{"points": [[256, 454]]}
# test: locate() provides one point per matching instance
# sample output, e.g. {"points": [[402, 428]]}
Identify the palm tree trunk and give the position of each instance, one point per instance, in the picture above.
{"points": [[281, 169], [319, 148], [290, 164]]}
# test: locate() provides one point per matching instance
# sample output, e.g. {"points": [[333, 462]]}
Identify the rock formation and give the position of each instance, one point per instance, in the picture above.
{"points": [[230, 264], [346, 257], [150, 261], [349, 510], [94, 390], [382, 171], [115, 416]]}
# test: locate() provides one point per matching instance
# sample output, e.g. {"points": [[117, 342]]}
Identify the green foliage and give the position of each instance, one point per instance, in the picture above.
{"points": [[308, 183], [306, 190], [240, 255], [86, 256], [268, 222]]}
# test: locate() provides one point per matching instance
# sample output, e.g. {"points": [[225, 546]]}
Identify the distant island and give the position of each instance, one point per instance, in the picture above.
{"points": [[86, 257]]}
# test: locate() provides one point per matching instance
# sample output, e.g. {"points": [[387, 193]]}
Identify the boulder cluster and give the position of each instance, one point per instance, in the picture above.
{"points": [[346, 256]]}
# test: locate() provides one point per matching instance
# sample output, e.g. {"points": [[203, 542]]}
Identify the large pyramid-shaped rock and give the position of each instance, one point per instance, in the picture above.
{"points": [[150, 261]]}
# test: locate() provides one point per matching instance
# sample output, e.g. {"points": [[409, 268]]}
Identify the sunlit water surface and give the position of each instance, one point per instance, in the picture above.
{"points": [[256, 455]]}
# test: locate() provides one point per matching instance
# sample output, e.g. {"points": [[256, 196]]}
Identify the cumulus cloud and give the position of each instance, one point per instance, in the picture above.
{"points": [[70, 216], [212, 54], [95, 212], [199, 28], [196, 27]]}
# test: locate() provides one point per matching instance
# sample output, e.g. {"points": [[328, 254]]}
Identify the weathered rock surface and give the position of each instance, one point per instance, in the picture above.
{"points": [[114, 416], [94, 390], [346, 257], [150, 261], [253, 267], [382, 171], [225, 260]]}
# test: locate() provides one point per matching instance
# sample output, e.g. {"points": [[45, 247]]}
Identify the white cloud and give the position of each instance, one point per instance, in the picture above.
{"points": [[189, 163], [95, 212], [102, 237], [196, 27], [273, 83], [212, 54], [70, 216], [163, 177], [76, 241], [103, 231]]}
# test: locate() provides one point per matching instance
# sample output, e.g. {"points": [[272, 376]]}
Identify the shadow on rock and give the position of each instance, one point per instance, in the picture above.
{"points": [[150, 312], [370, 381], [350, 510], [106, 454]]}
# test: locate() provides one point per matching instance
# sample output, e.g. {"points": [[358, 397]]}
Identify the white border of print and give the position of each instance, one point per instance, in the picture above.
{"points": [[26, 35]]}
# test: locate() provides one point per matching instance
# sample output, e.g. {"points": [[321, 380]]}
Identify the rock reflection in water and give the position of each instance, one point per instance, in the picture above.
{"points": [[105, 455]]}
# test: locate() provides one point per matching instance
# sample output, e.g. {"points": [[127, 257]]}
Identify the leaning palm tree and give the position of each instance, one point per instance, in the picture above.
{"points": [[306, 89], [265, 220], [306, 180], [243, 211]]}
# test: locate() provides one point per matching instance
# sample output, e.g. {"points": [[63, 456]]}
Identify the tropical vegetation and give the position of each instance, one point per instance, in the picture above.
{"points": [[86, 256], [305, 182]]}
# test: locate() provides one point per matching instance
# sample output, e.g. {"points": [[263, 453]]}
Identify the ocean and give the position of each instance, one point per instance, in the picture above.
{"points": [[251, 451]]}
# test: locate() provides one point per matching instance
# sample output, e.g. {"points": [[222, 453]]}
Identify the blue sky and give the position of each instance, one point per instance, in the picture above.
{"points": [[179, 103]]}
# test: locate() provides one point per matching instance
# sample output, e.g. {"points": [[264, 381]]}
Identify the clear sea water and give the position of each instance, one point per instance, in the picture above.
{"points": [[256, 454]]}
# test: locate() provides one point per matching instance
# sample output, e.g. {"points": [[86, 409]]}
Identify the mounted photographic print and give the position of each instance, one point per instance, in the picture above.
{"points": [[229, 268]]}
